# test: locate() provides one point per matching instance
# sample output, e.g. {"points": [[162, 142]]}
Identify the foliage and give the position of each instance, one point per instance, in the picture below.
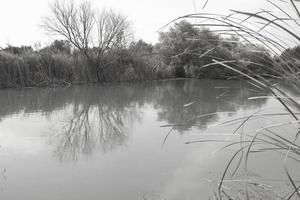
{"points": [[141, 48], [96, 49], [58, 46], [18, 50], [57, 65], [179, 47], [188, 48]]}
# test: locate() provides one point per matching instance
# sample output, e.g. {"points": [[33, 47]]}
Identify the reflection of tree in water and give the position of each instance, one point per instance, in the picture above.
{"points": [[77, 138], [103, 124], [101, 117], [208, 98]]}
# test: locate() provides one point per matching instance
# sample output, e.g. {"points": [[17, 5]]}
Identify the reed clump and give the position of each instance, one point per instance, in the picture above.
{"points": [[278, 31], [55, 68]]}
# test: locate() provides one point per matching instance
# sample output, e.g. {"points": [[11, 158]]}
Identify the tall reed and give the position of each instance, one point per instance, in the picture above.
{"points": [[279, 32], [46, 68]]}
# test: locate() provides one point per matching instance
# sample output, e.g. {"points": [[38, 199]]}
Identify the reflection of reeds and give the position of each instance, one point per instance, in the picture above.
{"points": [[278, 33]]}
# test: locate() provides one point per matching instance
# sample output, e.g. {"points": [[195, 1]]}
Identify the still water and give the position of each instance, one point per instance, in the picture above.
{"points": [[109, 141]]}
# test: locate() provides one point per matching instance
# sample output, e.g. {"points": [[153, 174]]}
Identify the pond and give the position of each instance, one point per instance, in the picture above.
{"points": [[111, 141]]}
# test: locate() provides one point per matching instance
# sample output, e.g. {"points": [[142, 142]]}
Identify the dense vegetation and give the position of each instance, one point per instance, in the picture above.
{"points": [[57, 64], [99, 49], [189, 50], [182, 51]]}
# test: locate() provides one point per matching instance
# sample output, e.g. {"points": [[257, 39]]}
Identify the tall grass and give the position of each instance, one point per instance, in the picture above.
{"points": [[40, 69], [279, 32], [54, 69]]}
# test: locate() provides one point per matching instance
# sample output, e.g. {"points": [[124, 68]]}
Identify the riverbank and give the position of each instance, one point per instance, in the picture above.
{"points": [[40, 69]]}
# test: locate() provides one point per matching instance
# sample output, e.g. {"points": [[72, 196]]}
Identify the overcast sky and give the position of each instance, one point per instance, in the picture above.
{"points": [[20, 19]]}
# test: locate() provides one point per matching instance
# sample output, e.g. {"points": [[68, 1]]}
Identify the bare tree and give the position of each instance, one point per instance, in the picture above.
{"points": [[112, 29], [75, 23], [87, 28]]}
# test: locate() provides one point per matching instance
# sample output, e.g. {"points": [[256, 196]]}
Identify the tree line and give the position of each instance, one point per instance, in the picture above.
{"points": [[97, 46]]}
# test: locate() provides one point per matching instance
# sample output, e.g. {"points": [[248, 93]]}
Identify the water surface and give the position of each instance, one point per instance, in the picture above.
{"points": [[106, 141]]}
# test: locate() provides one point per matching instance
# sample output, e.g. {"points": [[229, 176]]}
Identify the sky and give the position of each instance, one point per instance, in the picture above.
{"points": [[20, 20]]}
